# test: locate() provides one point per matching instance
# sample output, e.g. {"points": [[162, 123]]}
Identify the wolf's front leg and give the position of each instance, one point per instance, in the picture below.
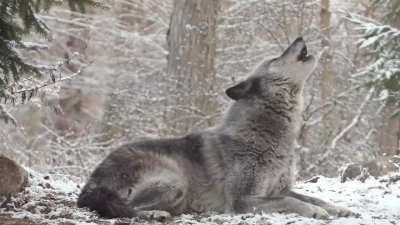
{"points": [[231, 192], [238, 182], [284, 204], [330, 208]]}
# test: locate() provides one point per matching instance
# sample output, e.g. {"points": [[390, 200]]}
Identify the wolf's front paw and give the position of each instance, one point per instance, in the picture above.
{"points": [[154, 215], [315, 212], [339, 211]]}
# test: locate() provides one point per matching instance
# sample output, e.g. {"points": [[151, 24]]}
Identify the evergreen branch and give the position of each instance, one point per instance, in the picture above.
{"points": [[26, 94], [17, 18], [51, 81]]}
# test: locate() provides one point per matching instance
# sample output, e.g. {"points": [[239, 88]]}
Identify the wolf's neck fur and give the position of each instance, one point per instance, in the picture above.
{"points": [[277, 119]]}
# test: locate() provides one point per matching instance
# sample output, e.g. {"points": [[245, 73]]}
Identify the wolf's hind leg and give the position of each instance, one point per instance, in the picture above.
{"points": [[158, 195], [330, 208], [285, 204]]}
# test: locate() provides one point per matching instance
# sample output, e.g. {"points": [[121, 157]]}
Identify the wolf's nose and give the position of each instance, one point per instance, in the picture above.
{"points": [[299, 39]]}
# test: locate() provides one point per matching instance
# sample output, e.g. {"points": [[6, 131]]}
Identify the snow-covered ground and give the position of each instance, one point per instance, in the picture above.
{"points": [[51, 199]]}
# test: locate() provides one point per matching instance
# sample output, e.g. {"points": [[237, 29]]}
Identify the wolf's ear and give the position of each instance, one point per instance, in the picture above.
{"points": [[240, 90]]}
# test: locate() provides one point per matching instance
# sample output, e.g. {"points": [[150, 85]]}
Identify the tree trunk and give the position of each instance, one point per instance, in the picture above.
{"points": [[192, 48], [327, 83], [389, 134]]}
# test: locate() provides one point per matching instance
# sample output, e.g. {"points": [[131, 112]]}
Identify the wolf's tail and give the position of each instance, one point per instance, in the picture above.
{"points": [[105, 202]]}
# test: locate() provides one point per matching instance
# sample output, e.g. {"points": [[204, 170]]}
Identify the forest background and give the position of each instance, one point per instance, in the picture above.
{"points": [[76, 80]]}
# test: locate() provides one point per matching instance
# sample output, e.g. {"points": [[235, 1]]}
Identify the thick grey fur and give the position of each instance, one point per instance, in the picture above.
{"points": [[244, 164]]}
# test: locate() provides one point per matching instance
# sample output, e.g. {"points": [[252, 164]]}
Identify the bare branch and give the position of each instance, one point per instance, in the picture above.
{"points": [[354, 121]]}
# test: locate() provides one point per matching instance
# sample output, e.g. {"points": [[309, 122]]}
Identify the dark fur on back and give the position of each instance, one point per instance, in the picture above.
{"points": [[187, 147]]}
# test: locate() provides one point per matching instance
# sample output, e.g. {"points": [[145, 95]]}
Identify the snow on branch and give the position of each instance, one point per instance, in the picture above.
{"points": [[6, 116], [26, 45]]}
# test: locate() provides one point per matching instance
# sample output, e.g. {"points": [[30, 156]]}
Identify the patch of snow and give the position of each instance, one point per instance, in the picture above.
{"points": [[377, 202], [383, 95], [51, 199]]}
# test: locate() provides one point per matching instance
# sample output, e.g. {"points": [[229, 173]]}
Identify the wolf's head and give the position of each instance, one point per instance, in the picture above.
{"points": [[291, 69]]}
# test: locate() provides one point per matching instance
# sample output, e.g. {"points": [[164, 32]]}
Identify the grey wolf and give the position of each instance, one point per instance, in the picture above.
{"points": [[243, 164]]}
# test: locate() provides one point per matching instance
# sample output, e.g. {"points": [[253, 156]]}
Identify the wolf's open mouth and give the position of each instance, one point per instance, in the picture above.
{"points": [[303, 54]]}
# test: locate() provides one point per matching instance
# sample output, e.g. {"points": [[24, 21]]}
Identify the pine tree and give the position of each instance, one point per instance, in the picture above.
{"points": [[17, 19], [382, 41]]}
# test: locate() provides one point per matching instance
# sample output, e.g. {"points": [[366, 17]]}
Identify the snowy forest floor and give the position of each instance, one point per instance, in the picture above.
{"points": [[51, 199]]}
